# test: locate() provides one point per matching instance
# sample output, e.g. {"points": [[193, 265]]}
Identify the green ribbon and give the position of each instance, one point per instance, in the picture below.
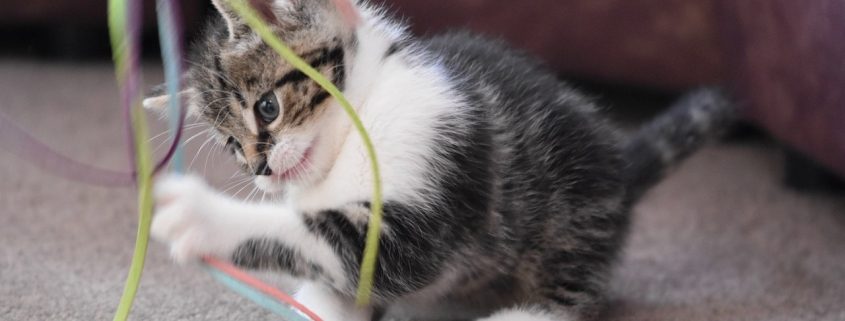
{"points": [[365, 279]]}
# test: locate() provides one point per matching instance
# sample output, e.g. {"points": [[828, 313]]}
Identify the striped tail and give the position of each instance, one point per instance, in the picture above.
{"points": [[692, 121]]}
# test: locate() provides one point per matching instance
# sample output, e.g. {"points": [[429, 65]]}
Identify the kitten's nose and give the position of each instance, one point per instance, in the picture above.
{"points": [[263, 169]]}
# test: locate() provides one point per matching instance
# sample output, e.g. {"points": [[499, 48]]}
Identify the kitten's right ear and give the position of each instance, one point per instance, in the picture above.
{"points": [[235, 23], [348, 11]]}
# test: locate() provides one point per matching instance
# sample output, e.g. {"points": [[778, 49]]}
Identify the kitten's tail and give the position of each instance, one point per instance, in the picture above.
{"points": [[693, 120]]}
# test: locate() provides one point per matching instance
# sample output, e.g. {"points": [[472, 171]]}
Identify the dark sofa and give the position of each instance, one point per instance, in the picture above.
{"points": [[786, 58]]}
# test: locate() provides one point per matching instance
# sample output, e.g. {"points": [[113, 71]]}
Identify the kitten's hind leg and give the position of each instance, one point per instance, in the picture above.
{"points": [[329, 306], [531, 313]]}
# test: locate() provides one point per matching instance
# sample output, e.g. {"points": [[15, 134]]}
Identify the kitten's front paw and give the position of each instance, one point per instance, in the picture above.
{"points": [[188, 217]]}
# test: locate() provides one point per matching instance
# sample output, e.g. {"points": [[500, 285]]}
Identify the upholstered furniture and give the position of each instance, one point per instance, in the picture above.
{"points": [[786, 58]]}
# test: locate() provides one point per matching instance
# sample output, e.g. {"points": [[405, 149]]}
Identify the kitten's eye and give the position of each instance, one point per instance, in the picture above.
{"points": [[268, 107]]}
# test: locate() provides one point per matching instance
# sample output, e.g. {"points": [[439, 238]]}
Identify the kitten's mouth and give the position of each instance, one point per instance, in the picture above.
{"points": [[295, 171]]}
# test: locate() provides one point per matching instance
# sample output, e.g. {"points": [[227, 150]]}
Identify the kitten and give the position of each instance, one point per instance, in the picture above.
{"points": [[507, 197]]}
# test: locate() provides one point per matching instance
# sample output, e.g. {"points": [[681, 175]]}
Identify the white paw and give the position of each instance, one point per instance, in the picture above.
{"points": [[329, 306], [189, 218]]}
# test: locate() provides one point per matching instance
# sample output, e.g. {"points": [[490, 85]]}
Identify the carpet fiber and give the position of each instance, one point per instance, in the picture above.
{"points": [[720, 239]]}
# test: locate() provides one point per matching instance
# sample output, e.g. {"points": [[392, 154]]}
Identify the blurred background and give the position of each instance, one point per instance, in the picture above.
{"points": [[750, 229], [786, 60]]}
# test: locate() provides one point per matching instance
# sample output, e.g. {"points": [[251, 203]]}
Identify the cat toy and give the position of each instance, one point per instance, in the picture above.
{"points": [[124, 30]]}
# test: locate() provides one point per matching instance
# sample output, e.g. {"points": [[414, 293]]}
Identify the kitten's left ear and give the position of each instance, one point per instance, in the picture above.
{"points": [[159, 100]]}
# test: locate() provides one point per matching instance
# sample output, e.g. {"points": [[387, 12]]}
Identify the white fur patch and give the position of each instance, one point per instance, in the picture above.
{"points": [[328, 306], [400, 105]]}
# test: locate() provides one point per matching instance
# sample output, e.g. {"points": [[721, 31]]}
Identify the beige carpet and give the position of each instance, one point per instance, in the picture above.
{"points": [[721, 239]]}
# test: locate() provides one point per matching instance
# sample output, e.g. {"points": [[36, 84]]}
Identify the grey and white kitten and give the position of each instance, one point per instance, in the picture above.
{"points": [[507, 197]]}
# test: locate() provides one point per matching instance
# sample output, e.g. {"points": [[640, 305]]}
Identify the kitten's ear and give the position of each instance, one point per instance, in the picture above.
{"points": [[159, 100], [348, 11], [265, 8]]}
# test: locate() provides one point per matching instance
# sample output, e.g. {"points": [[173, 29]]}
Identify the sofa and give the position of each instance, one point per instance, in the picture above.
{"points": [[784, 58]]}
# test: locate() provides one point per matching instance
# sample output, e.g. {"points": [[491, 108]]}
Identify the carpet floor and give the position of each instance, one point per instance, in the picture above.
{"points": [[720, 239]]}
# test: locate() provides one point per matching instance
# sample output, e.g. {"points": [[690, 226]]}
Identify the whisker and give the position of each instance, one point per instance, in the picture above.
{"points": [[238, 182], [242, 188], [249, 196], [236, 185], [191, 165], [238, 179], [167, 141], [213, 152], [236, 174], [195, 136], [163, 133]]}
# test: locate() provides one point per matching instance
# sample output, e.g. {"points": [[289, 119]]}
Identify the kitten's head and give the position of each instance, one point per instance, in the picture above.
{"points": [[266, 112]]}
